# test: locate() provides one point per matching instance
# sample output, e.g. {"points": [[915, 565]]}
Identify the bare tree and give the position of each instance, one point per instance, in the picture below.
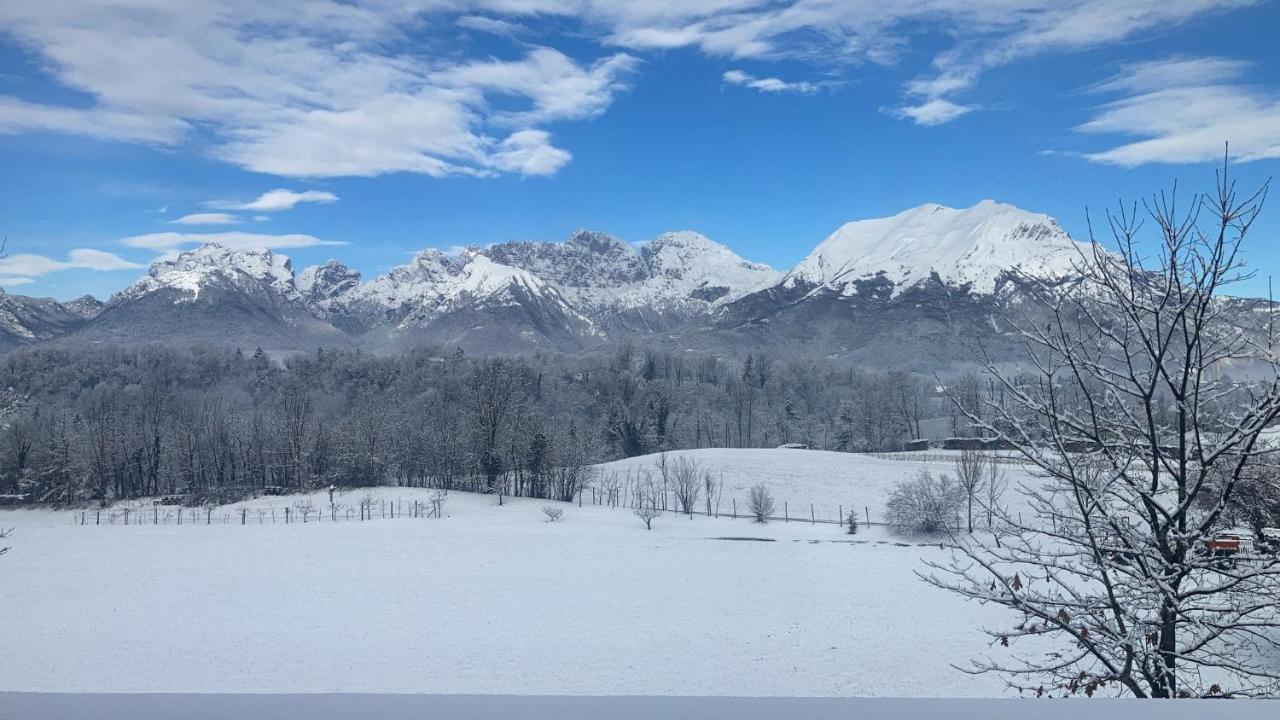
{"points": [[610, 487], [1142, 444], [971, 475], [686, 483], [647, 498], [760, 502], [711, 489], [552, 512], [4, 534], [663, 465], [994, 488]]}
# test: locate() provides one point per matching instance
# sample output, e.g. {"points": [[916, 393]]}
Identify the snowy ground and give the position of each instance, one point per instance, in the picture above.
{"points": [[489, 600], [150, 706]]}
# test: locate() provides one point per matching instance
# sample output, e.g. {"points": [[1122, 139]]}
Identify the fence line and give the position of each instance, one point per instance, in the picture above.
{"points": [[939, 457], [289, 515], [310, 513]]}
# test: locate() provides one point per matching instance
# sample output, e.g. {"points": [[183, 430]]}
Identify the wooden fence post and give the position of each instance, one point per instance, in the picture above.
{"points": [[735, 508], [811, 520], [786, 513]]}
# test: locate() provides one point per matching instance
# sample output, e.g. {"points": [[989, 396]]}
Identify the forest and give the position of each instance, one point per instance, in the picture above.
{"points": [[214, 424]]}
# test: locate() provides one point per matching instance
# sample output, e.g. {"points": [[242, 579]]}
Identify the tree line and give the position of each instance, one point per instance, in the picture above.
{"points": [[212, 424]]}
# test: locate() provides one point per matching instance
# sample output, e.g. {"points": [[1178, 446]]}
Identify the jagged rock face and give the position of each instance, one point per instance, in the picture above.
{"points": [[917, 290], [586, 260], [85, 307], [320, 284]]}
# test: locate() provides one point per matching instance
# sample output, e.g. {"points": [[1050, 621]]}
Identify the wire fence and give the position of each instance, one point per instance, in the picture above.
{"points": [[311, 513], [295, 513]]}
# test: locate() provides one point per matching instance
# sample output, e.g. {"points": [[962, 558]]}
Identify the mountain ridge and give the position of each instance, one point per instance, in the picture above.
{"points": [[921, 280]]}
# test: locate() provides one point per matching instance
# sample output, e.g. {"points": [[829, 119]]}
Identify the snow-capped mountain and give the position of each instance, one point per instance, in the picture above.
{"points": [[598, 272], [921, 286], [213, 267], [973, 246]]}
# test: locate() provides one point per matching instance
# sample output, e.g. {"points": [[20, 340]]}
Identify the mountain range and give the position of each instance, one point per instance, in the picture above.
{"points": [[916, 289]]}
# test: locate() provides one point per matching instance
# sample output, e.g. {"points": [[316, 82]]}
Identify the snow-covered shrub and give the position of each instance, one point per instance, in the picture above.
{"points": [[760, 502], [552, 512], [851, 522], [924, 504]]}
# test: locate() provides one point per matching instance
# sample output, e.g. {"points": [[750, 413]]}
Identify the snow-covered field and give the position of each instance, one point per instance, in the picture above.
{"points": [[829, 481], [492, 600]]}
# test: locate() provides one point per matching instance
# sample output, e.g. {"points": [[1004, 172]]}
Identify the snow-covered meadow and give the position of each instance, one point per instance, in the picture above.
{"points": [[494, 599], [828, 481]]}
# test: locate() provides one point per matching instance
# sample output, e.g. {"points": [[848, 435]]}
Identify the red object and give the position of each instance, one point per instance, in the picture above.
{"points": [[1224, 545]]}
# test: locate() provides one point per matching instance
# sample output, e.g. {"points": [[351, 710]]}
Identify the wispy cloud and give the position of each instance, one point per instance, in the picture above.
{"points": [[1185, 109], [23, 269], [769, 84], [485, 24], [170, 243], [207, 219], [276, 200], [932, 112]]}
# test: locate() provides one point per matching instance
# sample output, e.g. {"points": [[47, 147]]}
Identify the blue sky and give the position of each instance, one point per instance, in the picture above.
{"points": [[763, 124]]}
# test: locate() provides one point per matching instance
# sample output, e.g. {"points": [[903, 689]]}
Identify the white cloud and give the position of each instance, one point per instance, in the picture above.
{"points": [[90, 259], [17, 116], [330, 88], [529, 152], [557, 87], [315, 89], [276, 200], [986, 34], [493, 26], [768, 84], [1184, 110], [22, 269], [932, 112], [206, 219], [172, 242]]}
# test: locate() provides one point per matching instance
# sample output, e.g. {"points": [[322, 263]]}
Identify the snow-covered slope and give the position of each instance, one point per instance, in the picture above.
{"points": [[598, 272], [433, 284], [689, 265], [973, 246], [215, 266]]}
